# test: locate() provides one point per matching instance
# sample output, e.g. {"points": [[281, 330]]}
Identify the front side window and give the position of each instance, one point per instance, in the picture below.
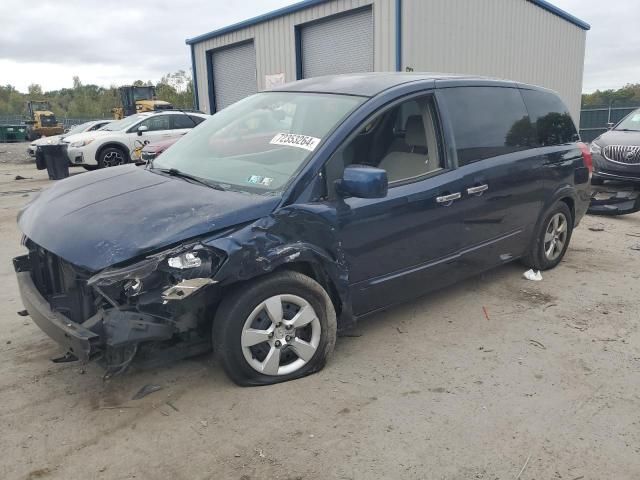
{"points": [[156, 123], [403, 140], [487, 122], [550, 119], [630, 123], [258, 144]]}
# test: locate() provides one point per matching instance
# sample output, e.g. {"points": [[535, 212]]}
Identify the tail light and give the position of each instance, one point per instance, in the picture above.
{"points": [[587, 159]]}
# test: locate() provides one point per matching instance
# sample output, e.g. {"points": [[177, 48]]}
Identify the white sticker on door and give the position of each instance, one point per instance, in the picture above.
{"points": [[295, 140]]}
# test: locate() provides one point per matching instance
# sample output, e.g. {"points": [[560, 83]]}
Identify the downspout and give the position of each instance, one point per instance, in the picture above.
{"points": [[196, 103], [398, 35]]}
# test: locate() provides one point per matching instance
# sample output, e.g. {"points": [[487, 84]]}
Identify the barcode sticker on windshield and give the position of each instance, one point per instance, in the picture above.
{"points": [[295, 140]]}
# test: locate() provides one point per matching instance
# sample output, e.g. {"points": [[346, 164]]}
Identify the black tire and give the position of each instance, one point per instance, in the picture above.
{"points": [[536, 257], [236, 309], [91, 168], [111, 157]]}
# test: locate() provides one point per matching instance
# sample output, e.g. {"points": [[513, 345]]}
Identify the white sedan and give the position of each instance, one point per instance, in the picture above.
{"points": [[84, 127], [122, 141]]}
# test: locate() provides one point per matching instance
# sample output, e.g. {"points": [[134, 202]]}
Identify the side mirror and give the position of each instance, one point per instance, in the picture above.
{"points": [[610, 125], [142, 129], [363, 181]]}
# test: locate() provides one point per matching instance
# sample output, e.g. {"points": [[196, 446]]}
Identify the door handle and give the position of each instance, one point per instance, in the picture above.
{"points": [[446, 200], [478, 190]]}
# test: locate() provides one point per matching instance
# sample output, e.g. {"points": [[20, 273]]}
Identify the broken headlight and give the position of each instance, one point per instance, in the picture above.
{"points": [[158, 273], [185, 260]]}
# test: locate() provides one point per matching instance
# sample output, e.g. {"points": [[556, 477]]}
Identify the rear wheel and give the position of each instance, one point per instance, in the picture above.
{"points": [[552, 239], [278, 328], [91, 168], [112, 157]]}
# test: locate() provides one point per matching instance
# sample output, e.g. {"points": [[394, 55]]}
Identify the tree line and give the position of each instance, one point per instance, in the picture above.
{"points": [[627, 96], [93, 101]]}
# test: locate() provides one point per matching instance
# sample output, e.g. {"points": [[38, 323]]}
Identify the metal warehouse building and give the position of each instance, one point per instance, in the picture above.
{"points": [[531, 41]]}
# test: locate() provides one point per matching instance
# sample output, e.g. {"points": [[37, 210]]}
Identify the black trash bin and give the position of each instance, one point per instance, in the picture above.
{"points": [[55, 157], [40, 162]]}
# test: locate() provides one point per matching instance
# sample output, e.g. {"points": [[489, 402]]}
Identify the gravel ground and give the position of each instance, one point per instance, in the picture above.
{"points": [[495, 378], [14, 153]]}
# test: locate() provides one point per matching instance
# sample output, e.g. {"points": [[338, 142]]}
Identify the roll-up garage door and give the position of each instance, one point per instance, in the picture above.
{"points": [[343, 44], [234, 74]]}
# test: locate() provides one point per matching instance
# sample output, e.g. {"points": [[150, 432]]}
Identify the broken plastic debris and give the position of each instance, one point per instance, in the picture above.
{"points": [[535, 276], [146, 390]]}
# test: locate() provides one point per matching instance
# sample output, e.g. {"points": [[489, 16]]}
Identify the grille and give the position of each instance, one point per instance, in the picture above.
{"points": [[64, 287], [627, 154]]}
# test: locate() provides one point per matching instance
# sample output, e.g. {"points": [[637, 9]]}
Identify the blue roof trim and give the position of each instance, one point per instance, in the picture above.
{"points": [[259, 19], [196, 101], [310, 3], [561, 13]]}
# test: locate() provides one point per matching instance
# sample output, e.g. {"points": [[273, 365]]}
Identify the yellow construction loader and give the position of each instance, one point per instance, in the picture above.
{"points": [[41, 121], [138, 99]]}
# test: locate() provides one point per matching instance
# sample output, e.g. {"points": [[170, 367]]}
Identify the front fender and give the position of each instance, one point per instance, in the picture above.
{"points": [[290, 236]]}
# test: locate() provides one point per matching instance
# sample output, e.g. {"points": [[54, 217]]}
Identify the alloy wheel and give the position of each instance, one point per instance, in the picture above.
{"points": [[555, 236], [113, 158], [281, 335]]}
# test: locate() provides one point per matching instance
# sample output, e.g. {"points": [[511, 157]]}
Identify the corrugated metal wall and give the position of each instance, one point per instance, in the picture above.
{"points": [[275, 42], [512, 39]]}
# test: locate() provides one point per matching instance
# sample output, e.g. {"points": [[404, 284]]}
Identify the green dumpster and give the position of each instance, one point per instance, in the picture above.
{"points": [[13, 133]]}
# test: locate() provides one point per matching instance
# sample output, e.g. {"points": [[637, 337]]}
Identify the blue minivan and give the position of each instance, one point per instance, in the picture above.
{"points": [[296, 212]]}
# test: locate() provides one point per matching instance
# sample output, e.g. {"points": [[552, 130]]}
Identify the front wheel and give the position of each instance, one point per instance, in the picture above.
{"points": [[112, 157], [278, 328], [552, 239]]}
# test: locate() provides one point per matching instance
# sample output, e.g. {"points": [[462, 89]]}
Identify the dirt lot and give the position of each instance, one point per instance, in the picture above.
{"points": [[544, 386]]}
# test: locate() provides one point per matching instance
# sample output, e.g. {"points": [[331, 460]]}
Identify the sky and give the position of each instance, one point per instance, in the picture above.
{"points": [[114, 42]]}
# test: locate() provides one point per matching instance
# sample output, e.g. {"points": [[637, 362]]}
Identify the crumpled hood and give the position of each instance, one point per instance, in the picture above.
{"points": [[95, 220], [616, 137]]}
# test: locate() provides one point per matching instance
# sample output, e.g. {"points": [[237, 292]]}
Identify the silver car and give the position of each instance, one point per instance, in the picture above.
{"points": [[83, 127]]}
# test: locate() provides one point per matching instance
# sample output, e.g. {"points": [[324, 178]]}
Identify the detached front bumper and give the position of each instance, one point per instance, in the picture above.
{"points": [[73, 337]]}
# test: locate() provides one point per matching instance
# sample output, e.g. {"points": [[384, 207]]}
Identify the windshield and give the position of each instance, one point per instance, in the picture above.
{"points": [[123, 124], [630, 122], [258, 144], [78, 128], [143, 93]]}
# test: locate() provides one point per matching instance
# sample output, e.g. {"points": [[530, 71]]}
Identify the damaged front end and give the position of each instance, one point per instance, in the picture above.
{"points": [[137, 310]]}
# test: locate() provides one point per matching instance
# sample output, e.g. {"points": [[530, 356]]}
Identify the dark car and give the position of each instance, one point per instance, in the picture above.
{"points": [[379, 188], [616, 153]]}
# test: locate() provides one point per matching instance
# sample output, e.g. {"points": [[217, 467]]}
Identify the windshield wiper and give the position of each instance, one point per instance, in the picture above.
{"points": [[174, 172], [627, 130]]}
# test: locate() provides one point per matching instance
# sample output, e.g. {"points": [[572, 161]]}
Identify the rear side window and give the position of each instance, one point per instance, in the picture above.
{"points": [[550, 118], [487, 122], [186, 121]]}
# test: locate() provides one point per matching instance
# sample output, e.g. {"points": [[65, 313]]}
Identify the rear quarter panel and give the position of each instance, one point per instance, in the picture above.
{"points": [[565, 176]]}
